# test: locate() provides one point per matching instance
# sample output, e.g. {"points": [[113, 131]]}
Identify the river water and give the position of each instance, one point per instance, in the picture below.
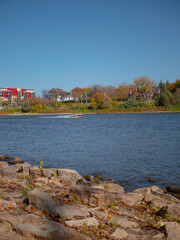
{"points": [[131, 148]]}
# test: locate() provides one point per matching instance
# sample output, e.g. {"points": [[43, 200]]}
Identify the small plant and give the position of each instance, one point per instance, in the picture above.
{"points": [[27, 189], [41, 165], [106, 186]]}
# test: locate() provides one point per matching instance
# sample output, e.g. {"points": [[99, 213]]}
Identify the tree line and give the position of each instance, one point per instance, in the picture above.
{"points": [[143, 90]]}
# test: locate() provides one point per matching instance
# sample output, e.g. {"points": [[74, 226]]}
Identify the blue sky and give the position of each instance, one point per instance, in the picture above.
{"points": [[69, 43]]}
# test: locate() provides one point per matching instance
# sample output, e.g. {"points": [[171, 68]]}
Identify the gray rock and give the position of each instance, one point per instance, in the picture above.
{"points": [[110, 187], [35, 172], [6, 171], [34, 227], [83, 222], [124, 222], [48, 172], [92, 196], [174, 210], [173, 231], [56, 182], [42, 200], [118, 234], [66, 212], [69, 176], [132, 198], [3, 164]]}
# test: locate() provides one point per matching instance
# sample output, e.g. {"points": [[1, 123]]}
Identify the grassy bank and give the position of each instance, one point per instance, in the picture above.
{"points": [[82, 108]]}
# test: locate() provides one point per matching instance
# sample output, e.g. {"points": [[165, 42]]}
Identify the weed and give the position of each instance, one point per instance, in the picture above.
{"points": [[27, 189], [41, 165], [106, 186]]}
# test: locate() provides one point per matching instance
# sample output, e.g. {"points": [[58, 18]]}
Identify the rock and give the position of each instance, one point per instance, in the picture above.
{"points": [[35, 227], [42, 200], [124, 222], [35, 172], [48, 172], [3, 164], [99, 214], [174, 189], [67, 212], [151, 180], [159, 202], [92, 196], [112, 187], [173, 231], [69, 176], [83, 222], [159, 236], [132, 198], [6, 171], [118, 234], [18, 160], [7, 204], [156, 189], [5, 157], [89, 178], [56, 182], [174, 210]]}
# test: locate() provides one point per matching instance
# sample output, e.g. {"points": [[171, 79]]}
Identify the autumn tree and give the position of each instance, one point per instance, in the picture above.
{"points": [[95, 89], [122, 91], [145, 86], [77, 92], [111, 91], [57, 92], [102, 100]]}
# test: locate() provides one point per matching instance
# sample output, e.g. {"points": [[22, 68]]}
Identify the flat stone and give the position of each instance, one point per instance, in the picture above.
{"points": [[118, 234], [92, 196], [83, 222], [132, 198], [32, 226], [124, 222], [112, 187], [42, 200], [69, 176], [56, 182], [66, 212], [6, 171], [173, 231]]}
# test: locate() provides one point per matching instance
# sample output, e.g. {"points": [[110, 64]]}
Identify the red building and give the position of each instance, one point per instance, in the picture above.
{"points": [[15, 95]]}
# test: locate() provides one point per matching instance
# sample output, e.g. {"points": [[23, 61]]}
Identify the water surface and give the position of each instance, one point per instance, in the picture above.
{"points": [[131, 148]]}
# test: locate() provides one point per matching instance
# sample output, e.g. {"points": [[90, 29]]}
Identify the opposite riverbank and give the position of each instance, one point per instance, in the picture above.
{"points": [[41, 203]]}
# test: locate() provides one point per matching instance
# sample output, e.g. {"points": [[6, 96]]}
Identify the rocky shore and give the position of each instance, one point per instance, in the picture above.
{"points": [[60, 204]]}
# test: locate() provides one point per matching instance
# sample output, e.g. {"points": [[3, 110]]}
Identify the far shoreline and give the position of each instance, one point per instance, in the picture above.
{"points": [[84, 113]]}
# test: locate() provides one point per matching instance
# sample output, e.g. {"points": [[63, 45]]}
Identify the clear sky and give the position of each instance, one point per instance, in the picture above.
{"points": [[69, 43]]}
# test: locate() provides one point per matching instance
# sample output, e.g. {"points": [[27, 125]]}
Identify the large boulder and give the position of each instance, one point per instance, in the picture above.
{"points": [[67, 212], [68, 176], [92, 196], [42, 200], [173, 231], [35, 227]]}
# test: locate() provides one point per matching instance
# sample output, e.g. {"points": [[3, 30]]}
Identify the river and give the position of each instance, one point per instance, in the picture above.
{"points": [[131, 148]]}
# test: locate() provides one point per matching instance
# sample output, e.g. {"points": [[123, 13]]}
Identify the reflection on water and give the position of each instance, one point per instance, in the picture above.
{"points": [[131, 148]]}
